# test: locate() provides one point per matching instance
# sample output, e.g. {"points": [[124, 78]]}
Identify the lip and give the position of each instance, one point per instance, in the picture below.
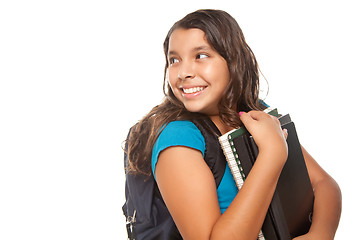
{"points": [[194, 94]]}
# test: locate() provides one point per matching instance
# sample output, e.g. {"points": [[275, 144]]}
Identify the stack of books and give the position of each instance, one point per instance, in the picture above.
{"points": [[290, 212]]}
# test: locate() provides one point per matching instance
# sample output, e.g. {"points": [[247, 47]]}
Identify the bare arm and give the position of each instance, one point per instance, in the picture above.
{"points": [[188, 187], [327, 202]]}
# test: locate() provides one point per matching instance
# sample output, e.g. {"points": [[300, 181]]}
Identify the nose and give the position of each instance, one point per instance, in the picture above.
{"points": [[186, 70]]}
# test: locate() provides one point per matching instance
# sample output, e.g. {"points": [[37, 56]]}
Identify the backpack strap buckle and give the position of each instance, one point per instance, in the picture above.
{"points": [[130, 225]]}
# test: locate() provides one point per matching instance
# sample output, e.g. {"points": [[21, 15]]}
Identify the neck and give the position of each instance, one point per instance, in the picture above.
{"points": [[223, 128]]}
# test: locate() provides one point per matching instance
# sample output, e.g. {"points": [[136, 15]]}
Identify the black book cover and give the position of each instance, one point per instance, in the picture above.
{"points": [[290, 211]]}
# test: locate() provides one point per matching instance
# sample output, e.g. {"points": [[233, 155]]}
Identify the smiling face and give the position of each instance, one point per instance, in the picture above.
{"points": [[197, 74]]}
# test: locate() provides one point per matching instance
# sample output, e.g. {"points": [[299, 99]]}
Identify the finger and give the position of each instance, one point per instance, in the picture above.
{"points": [[285, 133], [256, 115], [245, 118]]}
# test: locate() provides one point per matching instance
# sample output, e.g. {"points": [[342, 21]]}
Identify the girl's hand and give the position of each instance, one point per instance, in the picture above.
{"points": [[267, 133]]}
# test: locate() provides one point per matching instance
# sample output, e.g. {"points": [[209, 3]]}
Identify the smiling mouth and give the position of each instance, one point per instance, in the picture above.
{"points": [[193, 90]]}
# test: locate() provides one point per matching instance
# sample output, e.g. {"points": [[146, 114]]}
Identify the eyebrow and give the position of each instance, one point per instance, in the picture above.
{"points": [[195, 49]]}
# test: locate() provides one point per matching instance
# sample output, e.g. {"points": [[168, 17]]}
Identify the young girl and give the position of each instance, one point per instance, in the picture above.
{"points": [[211, 72]]}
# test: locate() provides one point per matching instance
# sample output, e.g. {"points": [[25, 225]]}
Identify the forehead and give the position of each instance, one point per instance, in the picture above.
{"points": [[183, 39]]}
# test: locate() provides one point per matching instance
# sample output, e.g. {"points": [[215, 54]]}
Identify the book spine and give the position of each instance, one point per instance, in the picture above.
{"points": [[233, 161]]}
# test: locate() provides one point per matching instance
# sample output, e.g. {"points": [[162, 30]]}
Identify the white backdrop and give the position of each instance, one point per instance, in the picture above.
{"points": [[75, 75]]}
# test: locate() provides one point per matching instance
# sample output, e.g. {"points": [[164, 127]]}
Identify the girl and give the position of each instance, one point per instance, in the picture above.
{"points": [[211, 72]]}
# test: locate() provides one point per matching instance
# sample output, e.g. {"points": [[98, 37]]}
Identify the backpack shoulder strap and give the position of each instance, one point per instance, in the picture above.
{"points": [[214, 156]]}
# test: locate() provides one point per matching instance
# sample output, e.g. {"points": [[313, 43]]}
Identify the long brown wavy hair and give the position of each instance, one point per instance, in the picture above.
{"points": [[223, 34]]}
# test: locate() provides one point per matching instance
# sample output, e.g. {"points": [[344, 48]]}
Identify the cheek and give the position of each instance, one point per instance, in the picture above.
{"points": [[218, 71], [208, 70], [224, 74], [172, 81], [170, 78], [172, 86], [221, 76]]}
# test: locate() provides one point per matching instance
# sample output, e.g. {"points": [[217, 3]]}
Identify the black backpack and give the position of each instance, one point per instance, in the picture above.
{"points": [[147, 216]]}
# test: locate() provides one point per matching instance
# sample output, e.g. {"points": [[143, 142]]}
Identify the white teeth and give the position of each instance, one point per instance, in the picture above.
{"points": [[193, 90]]}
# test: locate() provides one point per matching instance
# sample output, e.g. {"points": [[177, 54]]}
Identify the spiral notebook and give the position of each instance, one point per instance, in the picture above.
{"points": [[290, 212]]}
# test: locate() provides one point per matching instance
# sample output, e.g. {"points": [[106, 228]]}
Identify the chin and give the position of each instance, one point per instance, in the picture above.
{"points": [[207, 112]]}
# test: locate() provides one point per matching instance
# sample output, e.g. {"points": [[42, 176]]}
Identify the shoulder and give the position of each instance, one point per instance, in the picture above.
{"points": [[182, 128], [178, 133], [183, 133]]}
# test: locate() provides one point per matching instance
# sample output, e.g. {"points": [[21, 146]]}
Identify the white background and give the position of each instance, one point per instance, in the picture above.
{"points": [[75, 75]]}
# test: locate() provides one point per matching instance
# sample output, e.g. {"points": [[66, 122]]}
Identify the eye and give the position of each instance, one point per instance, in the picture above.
{"points": [[201, 56], [173, 60]]}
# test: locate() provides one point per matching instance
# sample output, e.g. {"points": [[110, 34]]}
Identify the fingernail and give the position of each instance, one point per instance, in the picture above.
{"points": [[240, 113]]}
